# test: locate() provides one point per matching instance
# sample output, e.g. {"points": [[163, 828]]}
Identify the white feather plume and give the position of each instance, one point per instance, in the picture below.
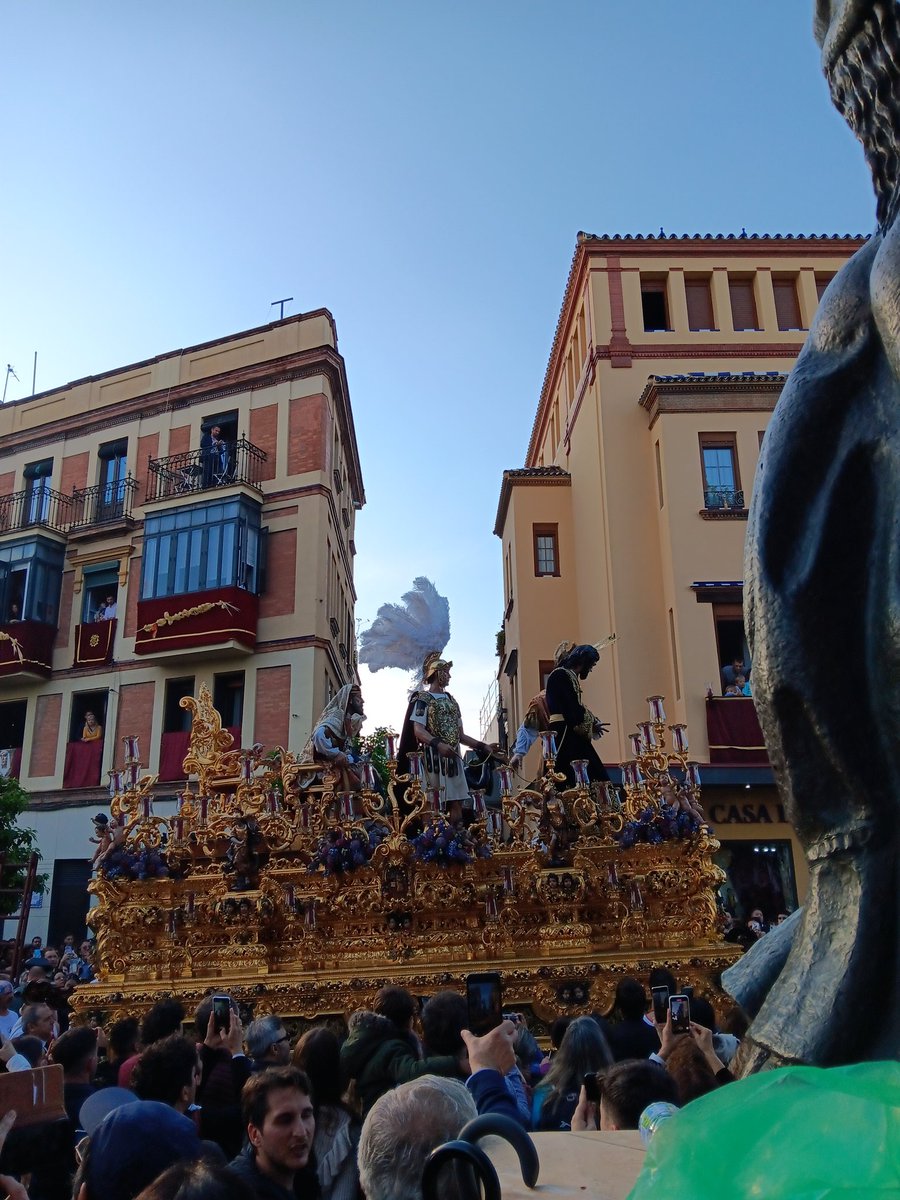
{"points": [[402, 634]]}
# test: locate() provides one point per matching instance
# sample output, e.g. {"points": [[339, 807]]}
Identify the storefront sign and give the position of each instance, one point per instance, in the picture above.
{"points": [[746, 814]]}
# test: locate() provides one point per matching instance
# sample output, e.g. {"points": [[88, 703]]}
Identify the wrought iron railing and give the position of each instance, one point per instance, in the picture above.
{"points": [[102, 504], [38, 506], [719, 497], [203, 470]]}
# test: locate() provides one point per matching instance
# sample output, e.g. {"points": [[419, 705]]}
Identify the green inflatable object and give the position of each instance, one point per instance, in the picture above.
{"points": [[799, 1133]]}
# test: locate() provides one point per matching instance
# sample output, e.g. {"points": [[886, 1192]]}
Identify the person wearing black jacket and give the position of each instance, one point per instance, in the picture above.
{"points": [[277, 1110], [574, 725]]}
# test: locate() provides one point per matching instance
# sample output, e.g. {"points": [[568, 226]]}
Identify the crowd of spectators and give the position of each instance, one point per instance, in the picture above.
{"points": [[197, 1107]]}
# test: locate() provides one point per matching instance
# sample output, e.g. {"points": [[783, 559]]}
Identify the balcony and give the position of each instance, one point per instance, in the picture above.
{"points": [[26, 649], [723, 503], [39, 507], [219, 621], [102, 508], [182, 475], [735, 736]]}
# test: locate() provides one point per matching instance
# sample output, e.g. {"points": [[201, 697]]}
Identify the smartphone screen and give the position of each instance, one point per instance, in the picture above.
{"points": [[591, 1087], [222, 1013], [660, 1004], [484, 997], [680, 1007]]}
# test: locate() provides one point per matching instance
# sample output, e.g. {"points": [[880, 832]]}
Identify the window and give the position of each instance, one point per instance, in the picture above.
{"points": [[731, 640], [653, 304], [175, 718], [100, 582], [721, 481], [37, 491], [659, 475], [743, 303], [545, 666], [30, 580], [787, 303], [699, 302], [228, 698], [822, 282], [546, 549], [113, 473], [82, 704], [202, 547], [12, 735]]}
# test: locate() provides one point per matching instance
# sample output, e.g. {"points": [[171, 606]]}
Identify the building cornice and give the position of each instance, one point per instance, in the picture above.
{"points": [[749, 392], [637, 246], [527, 477], [303, 364]]}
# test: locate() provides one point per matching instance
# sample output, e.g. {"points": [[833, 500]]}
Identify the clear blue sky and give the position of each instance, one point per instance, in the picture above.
{"points": [[422, 170]]}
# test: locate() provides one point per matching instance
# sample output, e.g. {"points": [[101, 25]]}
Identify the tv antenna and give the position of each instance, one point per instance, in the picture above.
{"points": [[283, 302], [9, 371]]}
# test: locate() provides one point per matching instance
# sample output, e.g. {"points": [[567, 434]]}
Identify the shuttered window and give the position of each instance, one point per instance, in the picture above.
{"points": [[743, 304], [822, 282], [787, 304], [699, 302]]}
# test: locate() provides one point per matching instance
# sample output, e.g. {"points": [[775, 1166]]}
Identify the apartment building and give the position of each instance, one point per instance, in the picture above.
{"points": [[182, 520], [629, 513]]}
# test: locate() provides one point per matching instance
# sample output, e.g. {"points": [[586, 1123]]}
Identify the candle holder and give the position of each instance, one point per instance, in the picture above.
{"points": [[657, 712], [504, 775], [390, 746], [132, 753], [580, 768], [417, 765], [548, 746], [679, 738], [116, 784], [367, 776]]}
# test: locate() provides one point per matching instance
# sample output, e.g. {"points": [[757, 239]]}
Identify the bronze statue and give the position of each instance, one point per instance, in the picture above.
{"points": [[823, 581]]}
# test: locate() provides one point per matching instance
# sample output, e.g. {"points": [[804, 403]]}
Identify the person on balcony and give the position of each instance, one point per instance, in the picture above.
{"points": [[575, 725], [214, 457], [92, 732], [15, 615], [107, 610], [730, 671]]}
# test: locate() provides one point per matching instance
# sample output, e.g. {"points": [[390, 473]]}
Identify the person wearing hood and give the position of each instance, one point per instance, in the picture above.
{"points": [[382, 1051]]}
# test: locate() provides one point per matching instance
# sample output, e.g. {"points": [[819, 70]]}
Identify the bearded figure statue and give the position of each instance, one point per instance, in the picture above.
{"points": [[823, 581]]}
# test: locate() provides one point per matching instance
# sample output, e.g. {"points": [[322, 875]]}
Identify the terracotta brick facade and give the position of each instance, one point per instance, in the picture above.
{"points": [[135, 716], [45, 742], [74, 473], [308, 425], [272, 718], [264, 434], [147, 448], [278, 599], [180, 440]]}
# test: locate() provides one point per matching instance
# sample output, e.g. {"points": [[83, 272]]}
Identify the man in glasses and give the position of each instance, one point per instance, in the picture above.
{"points": [[268, 1044]]}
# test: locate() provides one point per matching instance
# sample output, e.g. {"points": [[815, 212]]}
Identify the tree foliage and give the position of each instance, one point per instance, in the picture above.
{"points": [[16, 842]]}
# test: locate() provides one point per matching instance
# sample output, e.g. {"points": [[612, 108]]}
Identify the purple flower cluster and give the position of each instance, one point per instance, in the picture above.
{"points": [[136, 864], [443, 843], [656, 827], [339, 851]]}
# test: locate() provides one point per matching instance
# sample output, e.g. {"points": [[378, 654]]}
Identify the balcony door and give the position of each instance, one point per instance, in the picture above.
{"points": [[113, 474]]}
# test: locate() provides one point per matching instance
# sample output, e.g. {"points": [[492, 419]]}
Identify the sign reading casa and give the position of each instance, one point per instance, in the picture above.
{"points": [[746, 814]]}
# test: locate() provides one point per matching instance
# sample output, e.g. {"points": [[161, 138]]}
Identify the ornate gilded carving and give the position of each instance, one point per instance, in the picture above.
{"points": [[543, 889]]}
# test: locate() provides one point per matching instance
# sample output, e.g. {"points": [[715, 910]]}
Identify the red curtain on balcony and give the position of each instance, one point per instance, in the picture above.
{"points": [[734, 732], [83, 761], [172, 749]]}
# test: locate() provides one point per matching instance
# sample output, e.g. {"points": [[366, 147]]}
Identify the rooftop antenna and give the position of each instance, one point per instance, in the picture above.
{"points": [[283, 302], [9, 371]]}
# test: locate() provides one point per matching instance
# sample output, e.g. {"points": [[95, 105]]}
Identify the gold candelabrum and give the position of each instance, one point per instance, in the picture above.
{"points": [[301, 889]]}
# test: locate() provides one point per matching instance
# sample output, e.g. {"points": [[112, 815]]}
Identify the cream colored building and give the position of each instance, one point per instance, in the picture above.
{"points": [[629, 515], [229, 561]]}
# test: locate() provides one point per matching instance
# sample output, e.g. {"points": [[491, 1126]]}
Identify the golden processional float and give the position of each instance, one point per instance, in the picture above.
{"points": [[299, 899]]}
